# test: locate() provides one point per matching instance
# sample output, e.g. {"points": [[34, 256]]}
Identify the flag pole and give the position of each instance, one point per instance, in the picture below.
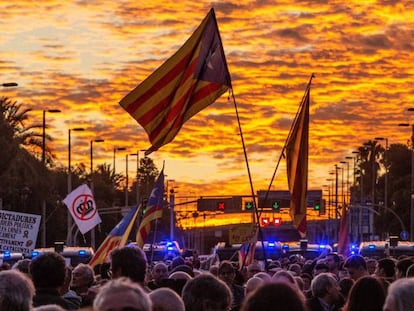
{"points": [[282, 154], [250, 181]]}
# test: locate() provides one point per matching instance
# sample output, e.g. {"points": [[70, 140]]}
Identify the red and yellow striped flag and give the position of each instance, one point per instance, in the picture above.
{"points": [[297, 149], [193, 78], [153, 210]]}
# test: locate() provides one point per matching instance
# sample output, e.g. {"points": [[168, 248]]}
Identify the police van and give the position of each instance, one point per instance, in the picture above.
{"points": [[272, 250], [73, 255], [381, 249], [304, 249], [10, 257]]}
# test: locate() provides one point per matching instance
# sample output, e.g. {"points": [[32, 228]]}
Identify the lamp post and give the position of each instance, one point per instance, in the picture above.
{"points": [[137, 174], [69, 219], [344, 193], [115, 150], [412, 179], [92, 186], [44, 165], [172, 203]]}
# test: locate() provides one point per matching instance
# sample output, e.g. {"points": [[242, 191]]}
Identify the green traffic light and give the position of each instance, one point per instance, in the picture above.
{"points": [[249, 205], [275, 205], [316, 207]]}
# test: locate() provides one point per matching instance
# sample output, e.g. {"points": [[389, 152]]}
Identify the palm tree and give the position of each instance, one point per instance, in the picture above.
{"points": [[23, 177]]}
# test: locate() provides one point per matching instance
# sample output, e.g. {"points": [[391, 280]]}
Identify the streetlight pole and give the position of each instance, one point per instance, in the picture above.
{"points": [[44, 166], [69, 219], [92, 186], [115, 150]]}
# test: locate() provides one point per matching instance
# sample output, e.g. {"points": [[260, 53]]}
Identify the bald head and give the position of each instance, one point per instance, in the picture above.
{"points": [[165, 299]]}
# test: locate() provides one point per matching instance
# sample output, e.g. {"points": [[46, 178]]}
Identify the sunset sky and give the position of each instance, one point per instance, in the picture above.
{"points": [[83, 57]]}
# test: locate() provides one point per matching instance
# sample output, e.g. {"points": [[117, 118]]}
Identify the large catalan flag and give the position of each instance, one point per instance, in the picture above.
{"points": [[193, 78], [297, 149], [117, 237], [153, 209]]}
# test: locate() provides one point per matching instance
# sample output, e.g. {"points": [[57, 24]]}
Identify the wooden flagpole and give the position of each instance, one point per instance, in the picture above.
{"points": [[250, 181]]}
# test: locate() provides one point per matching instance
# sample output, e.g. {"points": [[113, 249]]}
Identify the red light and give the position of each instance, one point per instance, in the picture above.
{"points": [[220, 206], [277, 221], [265, 221]]}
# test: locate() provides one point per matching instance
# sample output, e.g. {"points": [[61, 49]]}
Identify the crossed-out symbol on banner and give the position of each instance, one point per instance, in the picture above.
{"points": [[83, 207]]}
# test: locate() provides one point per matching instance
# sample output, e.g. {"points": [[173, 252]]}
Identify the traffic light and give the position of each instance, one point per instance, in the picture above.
{"points": [[276, 206], [265, 221], [277, 221], [317, 205], [221, 206], [248, 205]]}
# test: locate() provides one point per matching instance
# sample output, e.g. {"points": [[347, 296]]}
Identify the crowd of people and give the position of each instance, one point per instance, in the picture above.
{"points": [[127, 282]]}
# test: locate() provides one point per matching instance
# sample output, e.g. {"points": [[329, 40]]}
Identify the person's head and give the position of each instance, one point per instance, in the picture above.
{"points": [[332, 260], [325, 287], [165, 299], [130, 262], [410, 271], [402, 266], [83, 277], [159, 272], [319, 268], [121, 294], [385, 268], [268, 296], [206, 293], [48, 270], [284, 276], [346, 284], [16, 291], [356, 267], [295, 268], [400, 295], [22, 265], [371, 265], [307, 279], [252, 284], [226, 272], [266, 277], [367, 293], [253, 268]]}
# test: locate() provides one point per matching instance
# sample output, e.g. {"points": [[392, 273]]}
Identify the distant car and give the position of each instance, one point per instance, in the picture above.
{"points": [[380, 249], [73, 255]]}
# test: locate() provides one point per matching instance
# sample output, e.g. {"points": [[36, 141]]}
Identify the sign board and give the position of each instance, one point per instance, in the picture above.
{"points": [[18, 231], [244, 233]]}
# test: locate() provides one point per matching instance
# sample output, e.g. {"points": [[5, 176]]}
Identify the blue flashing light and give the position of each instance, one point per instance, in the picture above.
{"points": [[170, 248], [285, 246], [353, 253], [371, 247], [322, 246], [35, 254], [6, 254], [82, 253], [271, 244], [353, 246]]}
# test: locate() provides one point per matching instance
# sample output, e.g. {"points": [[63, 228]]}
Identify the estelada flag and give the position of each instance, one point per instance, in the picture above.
{"points": [[193, 78], [153, 210], [116, 238], [82, 207], [297, 149]]}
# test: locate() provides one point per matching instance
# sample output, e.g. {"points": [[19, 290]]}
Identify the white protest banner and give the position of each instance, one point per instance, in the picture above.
{"points": [[18, 231], [81, 205]]}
